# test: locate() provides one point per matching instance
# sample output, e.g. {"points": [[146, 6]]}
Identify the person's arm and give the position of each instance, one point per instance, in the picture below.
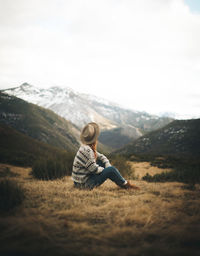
{"points": [[91, 164], [103, 159]]}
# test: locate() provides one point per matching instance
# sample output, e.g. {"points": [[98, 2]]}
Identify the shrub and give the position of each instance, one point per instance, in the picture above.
{"points": [[120, 162], [53, 167], [6, 172], [187, 174], [11, 194]]}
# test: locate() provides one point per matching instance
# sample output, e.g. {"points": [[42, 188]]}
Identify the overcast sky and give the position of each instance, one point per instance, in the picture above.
{"points": [[142, 54]]}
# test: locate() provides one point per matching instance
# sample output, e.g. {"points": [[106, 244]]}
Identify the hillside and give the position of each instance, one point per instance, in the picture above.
{"points": [[118, 137], [20, 149], [179, 138], [83, 108], [37, 122], [57, 219]]}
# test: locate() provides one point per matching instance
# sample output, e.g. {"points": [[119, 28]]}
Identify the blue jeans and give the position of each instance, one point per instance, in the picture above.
{"points": [[96, 180]]}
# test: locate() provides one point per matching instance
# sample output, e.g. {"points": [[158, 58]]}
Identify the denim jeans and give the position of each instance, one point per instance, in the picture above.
{"points": [[96, 180]]}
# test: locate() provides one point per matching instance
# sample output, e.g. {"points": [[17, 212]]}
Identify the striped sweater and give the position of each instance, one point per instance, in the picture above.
{"points": [[85, 164]]}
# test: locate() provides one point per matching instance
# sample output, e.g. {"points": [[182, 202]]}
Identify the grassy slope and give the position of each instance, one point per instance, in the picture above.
{"points": [[57, 219], [20, 149], [37, 122]]}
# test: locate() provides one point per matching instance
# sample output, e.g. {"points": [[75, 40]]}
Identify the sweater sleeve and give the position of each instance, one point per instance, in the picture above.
{"points": [[91, 164], [103, 159]]}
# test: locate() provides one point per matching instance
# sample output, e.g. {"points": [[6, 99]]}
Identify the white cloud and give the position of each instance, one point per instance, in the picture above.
{"points": [[143, 54]]}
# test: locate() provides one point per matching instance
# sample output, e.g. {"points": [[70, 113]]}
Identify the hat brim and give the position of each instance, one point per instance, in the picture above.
{"points": [[94, 138]]}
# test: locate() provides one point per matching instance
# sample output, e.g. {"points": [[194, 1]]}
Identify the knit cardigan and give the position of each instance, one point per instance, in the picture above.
{"points": [[85, 164]]}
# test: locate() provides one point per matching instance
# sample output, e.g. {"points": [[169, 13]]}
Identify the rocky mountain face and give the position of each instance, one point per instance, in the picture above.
{"points": [[179, 138], [82, 108]]}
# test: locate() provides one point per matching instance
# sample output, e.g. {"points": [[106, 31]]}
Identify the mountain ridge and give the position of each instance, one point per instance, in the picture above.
{"points": [[82, 108]]}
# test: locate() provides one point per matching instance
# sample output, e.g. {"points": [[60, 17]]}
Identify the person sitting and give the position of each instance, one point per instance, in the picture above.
{"points": [[90, 168]]}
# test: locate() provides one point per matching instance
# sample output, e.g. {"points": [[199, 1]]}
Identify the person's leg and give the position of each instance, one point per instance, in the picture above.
{"points": [[108, 173]]}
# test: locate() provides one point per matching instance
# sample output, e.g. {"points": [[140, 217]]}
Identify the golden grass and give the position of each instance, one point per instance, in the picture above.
{"points": [[57, 219]]}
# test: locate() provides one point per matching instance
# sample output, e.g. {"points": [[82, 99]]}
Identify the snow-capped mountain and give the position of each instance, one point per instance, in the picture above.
{"points": [[63, 101], [82, 108]]}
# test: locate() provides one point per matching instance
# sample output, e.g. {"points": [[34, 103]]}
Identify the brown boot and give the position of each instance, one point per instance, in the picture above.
{"points": [[128, 185]]}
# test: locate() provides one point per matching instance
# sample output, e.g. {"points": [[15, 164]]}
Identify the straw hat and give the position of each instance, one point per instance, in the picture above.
{"points": [[90, 133]]}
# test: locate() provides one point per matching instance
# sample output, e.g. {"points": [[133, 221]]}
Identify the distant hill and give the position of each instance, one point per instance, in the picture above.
{"points": [[83, 108], [118, 137], [20, 149], [179, 138], [39, 123]]}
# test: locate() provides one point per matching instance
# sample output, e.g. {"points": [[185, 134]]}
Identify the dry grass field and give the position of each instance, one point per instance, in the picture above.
{"points": [[57, 219], [141, 168]]}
